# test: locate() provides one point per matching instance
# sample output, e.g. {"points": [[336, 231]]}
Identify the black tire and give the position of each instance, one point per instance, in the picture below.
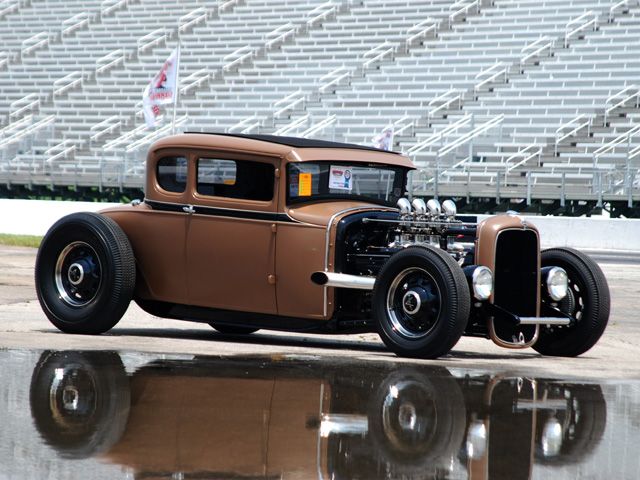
{"points": [[588, 302], [80, 401], [90, 249], [583, 423], [440, 294], [232, 330], [416, 421]]}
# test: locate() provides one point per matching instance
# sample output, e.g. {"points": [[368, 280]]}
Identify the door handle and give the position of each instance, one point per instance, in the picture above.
{"points": [[188, 209]]}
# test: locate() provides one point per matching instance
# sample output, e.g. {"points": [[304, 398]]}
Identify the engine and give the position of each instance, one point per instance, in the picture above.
{"points": [[366, 240]]}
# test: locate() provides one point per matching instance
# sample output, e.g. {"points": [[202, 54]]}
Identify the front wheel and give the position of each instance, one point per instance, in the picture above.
{"points": [[85, 273], [587, 302], [421, 303]]}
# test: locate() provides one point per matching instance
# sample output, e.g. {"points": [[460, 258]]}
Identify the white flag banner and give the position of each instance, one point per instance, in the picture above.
{"points": [[384, 140], [162, 89]]}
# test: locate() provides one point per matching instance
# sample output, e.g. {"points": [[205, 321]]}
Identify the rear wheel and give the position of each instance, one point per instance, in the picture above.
{"points": [[421, 302], [587, 302], [85, 273]]}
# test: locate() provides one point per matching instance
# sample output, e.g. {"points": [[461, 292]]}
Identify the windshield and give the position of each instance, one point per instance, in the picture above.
{"points": [[313, 181]]}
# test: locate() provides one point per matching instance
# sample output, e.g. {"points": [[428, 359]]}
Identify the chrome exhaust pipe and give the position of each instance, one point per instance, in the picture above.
{"points": [[342, 280]]}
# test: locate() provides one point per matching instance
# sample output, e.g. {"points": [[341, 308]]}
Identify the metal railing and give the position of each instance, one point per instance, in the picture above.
{"points": [[279, 35], [74, 23], [444, 101], [320, 13], [194, 17], [611, 146], [462, 8], [27, 131], [491, 74], [17, 126], [151, 39], [320, 126], [578, 25], [136, 145], [332, 78], [8, 6], [527, 154], [624, 5], [378, 53], [109, 61], [439, 136], [107, 7], [194, 80], [106, 127], [476, 132], [28, 103], [237, 57], [293, 126], [573, 127], [535, 49], [34, 42], [228, 4], [247, 125], [403, 124], [288, 103], [4, 59], [421, 30], [65, 149], [620, 99], [66, 83]]}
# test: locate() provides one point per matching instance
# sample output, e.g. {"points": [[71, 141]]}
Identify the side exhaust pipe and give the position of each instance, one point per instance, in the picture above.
{"points": [[342, 280]]}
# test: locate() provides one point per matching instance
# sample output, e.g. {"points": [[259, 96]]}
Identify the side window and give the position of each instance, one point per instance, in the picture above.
{"points": [[172, 174], [235, 179]]}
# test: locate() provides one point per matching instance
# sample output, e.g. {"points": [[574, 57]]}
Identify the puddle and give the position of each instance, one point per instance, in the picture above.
{"points": [[108, 415]]}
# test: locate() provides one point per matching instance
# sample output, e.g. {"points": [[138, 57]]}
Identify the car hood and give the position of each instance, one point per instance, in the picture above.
{"points": [[321, 213]]}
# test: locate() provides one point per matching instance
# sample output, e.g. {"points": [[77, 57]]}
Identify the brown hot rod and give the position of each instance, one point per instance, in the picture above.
{"points": [[248, 232]]}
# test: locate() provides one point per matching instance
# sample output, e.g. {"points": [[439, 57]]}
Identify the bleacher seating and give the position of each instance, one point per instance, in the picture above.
{"points": [[537, 98]]}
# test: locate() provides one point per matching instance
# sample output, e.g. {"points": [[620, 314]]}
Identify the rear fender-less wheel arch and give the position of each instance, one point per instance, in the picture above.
{"points": [[85, 273]]}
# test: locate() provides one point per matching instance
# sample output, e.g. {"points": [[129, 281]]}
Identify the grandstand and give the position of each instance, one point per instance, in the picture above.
{"points": [[532, 105]]}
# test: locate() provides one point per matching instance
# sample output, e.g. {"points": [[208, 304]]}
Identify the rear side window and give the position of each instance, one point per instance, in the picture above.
{"points": [[235, 179], [172, 174]]}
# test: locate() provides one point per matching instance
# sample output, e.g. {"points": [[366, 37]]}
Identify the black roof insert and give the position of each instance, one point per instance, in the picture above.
{"points": [[297, 142]]}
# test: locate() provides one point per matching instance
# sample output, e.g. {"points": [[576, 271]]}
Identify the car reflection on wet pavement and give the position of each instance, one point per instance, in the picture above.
{"points": [[299, 417]]}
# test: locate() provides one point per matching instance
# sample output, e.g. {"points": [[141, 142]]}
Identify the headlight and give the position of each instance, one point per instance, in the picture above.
{"points": [[557, 283], [551, 438], [482, 282], [476, 440]]}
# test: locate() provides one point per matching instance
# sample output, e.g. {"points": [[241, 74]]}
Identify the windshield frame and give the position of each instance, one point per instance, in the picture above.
{"points": [[399, 181]]}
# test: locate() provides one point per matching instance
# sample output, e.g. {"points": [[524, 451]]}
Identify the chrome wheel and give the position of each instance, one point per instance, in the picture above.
{"points": [[78, 274], [413, 303], [409, 416], [72, 397]]}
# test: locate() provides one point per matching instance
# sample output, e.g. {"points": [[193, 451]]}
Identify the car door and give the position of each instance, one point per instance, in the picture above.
{"points": [[231, 233]]}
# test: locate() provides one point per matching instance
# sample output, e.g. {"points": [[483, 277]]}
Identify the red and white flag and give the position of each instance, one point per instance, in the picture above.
{"points": [[162, 89], [384, 140]]}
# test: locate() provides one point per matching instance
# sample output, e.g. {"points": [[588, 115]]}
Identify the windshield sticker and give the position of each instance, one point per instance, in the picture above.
{"points": [[340, 178], [304, 185]]}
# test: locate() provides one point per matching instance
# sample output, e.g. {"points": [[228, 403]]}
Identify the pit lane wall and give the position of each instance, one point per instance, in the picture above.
{"points": [[34, 217]]}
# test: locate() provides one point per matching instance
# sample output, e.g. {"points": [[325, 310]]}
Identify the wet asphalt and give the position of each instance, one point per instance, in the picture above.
{"points": [[158, 399]]}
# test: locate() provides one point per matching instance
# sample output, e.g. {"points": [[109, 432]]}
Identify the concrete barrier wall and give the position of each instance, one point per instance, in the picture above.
{"points": [[34, 217]]}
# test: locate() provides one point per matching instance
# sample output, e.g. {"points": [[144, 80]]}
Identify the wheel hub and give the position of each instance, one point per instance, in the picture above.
{"points": [[413, 303], [78, 274]]}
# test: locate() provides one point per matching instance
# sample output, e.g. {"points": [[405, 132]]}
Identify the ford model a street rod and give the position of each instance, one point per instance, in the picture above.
{"points": [[248, 232]]}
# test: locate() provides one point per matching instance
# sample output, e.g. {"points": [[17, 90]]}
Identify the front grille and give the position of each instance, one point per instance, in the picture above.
{"points": [[516, 272]]}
